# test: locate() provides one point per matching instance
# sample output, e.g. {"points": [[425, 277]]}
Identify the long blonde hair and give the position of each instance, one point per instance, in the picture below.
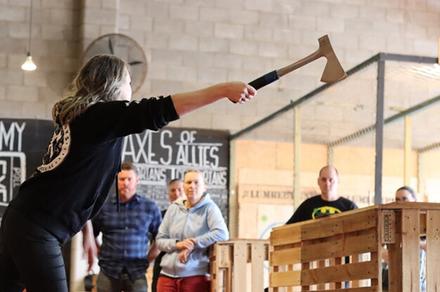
{"points": [[99, 80]]}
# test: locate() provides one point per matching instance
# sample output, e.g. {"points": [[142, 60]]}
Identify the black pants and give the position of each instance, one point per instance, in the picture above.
{"points": [[29, 255], [156, 271]]}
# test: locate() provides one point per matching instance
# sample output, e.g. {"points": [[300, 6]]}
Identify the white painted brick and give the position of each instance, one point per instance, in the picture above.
{"points": [[373, 42], [395, 15], [213, 45], [2, 93], [90, 31], [183, 42], [358, 25], [184, 12], [212, 75], [423, 18], [132, 7], [225, 121], [157, 70], [228, 31], [19, 30], [167, 57], [346, 40], [426, 47], [197, 119], [35, 78], [272, 50], [11, 109], [199, 28], [21, 93], [387, 28], [244, 48], [69, 4], [302, 23], [198, 59], [274, 20], [96, 16], [52, 32], [156, 40], [330, 25], [123, 21], [372, 13], [244, 17], [315, 9], [111, 4], [141, 23], [12, 46], [11, 76], [415, 31], [157, 10], [4, 29], [287, 36], [214, 14], [13, 13], [344, 11], [3, 61], [165, 87], [167, 26], [228, 61], [181, 73], [35, 110], [258, 33], [63, 16]]}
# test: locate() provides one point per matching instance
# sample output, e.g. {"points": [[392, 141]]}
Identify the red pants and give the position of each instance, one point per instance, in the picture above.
{"points": [[186, 284]]}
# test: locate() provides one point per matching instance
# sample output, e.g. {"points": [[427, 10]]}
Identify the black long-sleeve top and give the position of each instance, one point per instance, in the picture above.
{"points": [[82, 161]]}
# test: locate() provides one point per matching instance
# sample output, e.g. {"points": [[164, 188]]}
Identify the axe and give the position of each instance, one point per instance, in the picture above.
{"points": [[333, 70]]}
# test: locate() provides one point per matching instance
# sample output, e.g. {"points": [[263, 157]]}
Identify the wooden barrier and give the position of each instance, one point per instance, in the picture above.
{"points": [[344, 252], [238, 265]]}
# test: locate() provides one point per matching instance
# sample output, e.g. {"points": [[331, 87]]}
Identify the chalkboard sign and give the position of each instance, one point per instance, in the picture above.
{"points": [[159, 156], [22, 144], [164, 155]]}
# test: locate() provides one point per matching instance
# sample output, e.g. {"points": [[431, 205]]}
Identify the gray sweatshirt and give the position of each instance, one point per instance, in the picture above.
{"points": [[203, 222]]}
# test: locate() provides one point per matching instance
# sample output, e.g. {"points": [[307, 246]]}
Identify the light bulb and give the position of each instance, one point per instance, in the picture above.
{"points": [[28, 65]]}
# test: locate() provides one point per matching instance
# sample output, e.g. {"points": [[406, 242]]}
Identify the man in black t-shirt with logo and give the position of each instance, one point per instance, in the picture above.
{"points": [[325, 204]]}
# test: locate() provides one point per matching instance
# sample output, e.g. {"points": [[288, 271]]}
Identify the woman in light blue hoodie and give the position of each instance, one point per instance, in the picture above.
{"points": [[189, 227]]}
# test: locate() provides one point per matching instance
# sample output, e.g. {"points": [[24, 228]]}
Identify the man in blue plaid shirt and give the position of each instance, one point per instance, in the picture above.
{"points": [[125, 253]]}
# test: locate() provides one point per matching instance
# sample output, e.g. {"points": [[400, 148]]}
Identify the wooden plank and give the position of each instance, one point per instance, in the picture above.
{"points": [[305, 267], [239, 267], [286, 234], [395, 258], [343, 245], [411, 249], [285, 279], [355, 271], [411, 205], [257, 259], [285, 256], [363, 289], [433, 250], [342, 223]]}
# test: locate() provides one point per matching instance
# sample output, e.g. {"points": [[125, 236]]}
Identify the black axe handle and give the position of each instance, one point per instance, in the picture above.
{"points": [[264, 80]]}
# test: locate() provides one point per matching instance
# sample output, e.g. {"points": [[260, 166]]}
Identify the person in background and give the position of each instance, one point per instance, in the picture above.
{"points": [[125, 251], [82, 160], [329, 202], [189, 228], [406, 194], [175, 192]]}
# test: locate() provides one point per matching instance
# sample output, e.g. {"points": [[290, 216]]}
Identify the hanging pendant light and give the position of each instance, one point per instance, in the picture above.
{"points": [[28, 64]]}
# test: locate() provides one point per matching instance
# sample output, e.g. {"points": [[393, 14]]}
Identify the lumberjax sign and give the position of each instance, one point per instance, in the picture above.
{"points": [[265, 194]]}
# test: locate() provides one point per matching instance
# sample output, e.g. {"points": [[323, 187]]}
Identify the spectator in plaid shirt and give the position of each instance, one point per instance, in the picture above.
{"points": [[125, 254]]}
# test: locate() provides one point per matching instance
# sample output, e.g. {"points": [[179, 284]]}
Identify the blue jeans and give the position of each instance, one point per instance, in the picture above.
{"points": [[108, 284]]}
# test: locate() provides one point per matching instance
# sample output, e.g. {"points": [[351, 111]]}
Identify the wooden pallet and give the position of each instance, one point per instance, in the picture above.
{"points": [[344, 252], [238, 265]]}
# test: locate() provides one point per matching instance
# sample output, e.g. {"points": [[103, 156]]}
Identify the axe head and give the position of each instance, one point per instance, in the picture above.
{"points": [[333, 70]]}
